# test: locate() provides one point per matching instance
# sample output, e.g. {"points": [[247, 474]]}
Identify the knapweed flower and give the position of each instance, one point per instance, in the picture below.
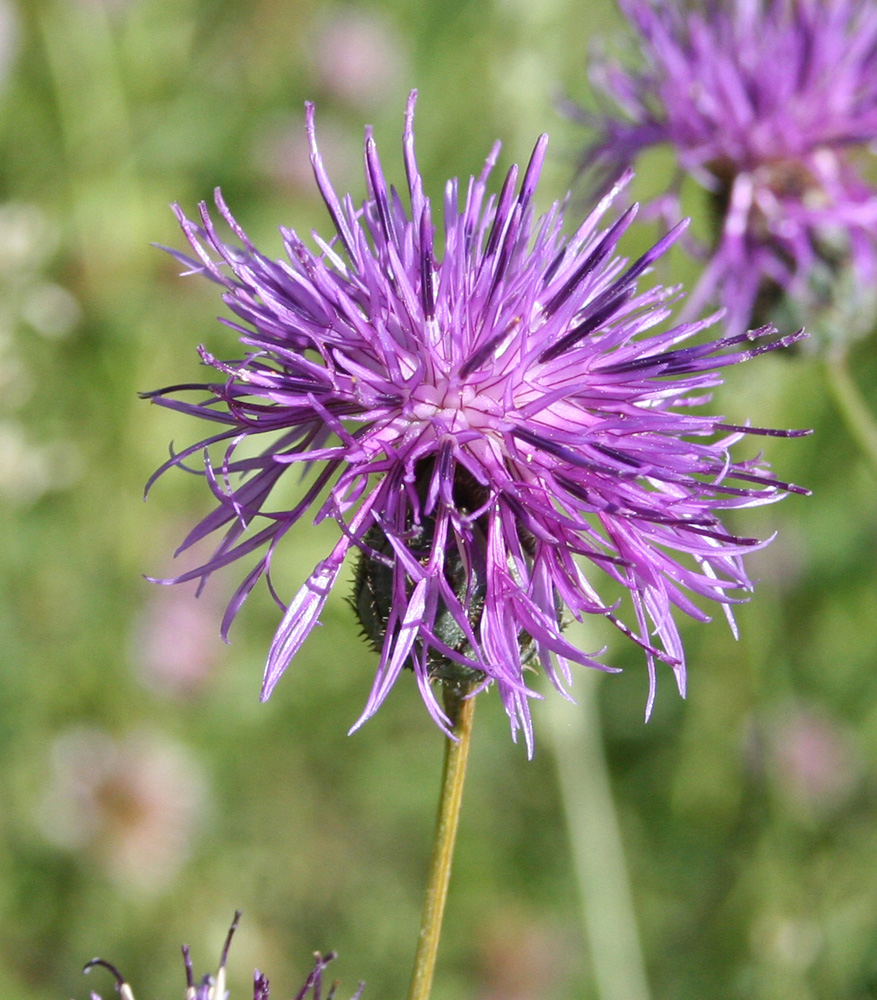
{"points": [[213, 987], [489, 425], [770, 105]]}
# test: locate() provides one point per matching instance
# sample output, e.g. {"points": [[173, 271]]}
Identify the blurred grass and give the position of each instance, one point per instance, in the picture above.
{"points": [[748, 811]]}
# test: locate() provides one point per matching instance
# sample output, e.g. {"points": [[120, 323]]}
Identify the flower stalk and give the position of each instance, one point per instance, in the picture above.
{"points": [[596, 846], [460, 707], [859, 420]]}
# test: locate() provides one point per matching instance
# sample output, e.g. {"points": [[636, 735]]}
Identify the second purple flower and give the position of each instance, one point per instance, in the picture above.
{"points": [[771, 106], [493, 427]]}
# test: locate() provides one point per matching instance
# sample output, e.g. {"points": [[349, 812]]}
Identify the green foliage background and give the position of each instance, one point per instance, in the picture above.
{"points": [[751, 877]]}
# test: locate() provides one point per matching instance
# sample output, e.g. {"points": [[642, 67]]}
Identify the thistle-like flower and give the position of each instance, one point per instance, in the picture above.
{"points": [[491, 427], [770, 105], [213, 987]]}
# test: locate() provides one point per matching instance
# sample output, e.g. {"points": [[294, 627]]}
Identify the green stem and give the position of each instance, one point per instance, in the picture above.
{"points": [[460, 711], [595, 840], [858, 418]]}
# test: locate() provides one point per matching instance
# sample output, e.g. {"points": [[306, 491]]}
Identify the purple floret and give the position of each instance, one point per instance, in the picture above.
{"points": [[511, 410], [213, 987], [769, 105]]}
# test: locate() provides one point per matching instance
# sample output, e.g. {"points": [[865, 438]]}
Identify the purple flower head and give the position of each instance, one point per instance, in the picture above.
{"points": [[767, 104], [491, 427], [213, 987]]}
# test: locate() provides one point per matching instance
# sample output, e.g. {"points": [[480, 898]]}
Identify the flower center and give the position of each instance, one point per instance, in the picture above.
{"points": [[458, 407]]}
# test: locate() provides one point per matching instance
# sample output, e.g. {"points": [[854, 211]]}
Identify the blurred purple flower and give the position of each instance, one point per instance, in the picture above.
{"points": [[213, 987], [474, 424], [766, 104]]}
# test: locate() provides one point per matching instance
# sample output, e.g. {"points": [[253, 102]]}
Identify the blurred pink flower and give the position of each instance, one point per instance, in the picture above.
{"points": [[284, 157], [521, 959], [359, 57], [815, 761], [809, 757], [10, 39], [175, 649], [134, 804]]}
